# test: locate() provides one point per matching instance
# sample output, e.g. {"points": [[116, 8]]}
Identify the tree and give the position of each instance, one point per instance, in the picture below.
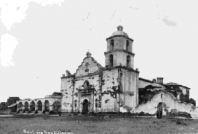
{"points": [[12, 100], [192, 101], [3, 106]]}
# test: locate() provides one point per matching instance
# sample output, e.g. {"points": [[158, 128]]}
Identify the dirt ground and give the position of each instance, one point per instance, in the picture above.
{"points": [[96, 125]]}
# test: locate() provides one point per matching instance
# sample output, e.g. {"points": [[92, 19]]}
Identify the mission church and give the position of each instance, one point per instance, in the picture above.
{"points": [[94, 88], [116, 87]]}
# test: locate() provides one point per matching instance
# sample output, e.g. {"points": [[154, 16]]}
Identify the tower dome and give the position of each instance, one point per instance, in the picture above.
{"points": [[119, 32]]}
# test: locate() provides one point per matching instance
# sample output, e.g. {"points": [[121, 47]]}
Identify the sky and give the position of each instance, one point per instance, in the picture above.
{"points": [[41, 39]]}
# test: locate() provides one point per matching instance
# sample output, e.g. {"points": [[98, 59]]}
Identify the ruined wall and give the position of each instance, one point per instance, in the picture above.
{"points": [[179, 92], [147, 89], [66, 90], [170, 101], [110, 98]]}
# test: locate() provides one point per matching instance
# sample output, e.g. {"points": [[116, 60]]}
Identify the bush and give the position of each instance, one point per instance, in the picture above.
{"points": [[141, 113], [174, 113], [179, 122], [51, 112]]}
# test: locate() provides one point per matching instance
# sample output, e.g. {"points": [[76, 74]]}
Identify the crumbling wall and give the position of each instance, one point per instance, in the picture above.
{"points": [[110, 97], [167, 98], [181, 93], [147, 89], [119, 89], [66, 90]]}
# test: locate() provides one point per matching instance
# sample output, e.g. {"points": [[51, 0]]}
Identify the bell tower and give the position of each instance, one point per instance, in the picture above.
{"points": [[119, 50]]}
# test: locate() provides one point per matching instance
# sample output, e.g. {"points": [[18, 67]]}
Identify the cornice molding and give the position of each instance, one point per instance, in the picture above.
{"points": [[118, 50]]}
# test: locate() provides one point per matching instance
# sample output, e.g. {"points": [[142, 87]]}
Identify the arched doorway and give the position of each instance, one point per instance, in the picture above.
{"points": [[20, 106], [32, 106], [56, 106], [160, 108], [85, 109], [47, 106], [26, 106], [39, 105]]}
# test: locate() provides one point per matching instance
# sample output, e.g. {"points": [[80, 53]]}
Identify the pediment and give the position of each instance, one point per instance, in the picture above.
{"points": [[88, 66]]}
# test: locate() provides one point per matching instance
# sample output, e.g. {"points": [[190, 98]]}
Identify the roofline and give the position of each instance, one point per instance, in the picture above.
{"points": [[71, 76], [150, 81], [146, 80], [176, 85]]}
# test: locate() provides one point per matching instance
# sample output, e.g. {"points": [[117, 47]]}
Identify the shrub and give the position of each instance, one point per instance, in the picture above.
{"points": [[141, 113], [179, 122], [51, 112], [175, 113]]}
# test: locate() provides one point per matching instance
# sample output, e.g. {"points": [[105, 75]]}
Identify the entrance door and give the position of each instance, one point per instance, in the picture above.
{"points": [[160, 109], [85, 107]]}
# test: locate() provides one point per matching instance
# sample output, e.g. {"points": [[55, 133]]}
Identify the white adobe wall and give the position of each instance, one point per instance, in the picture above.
{"points": [[170, 101], [66, 89]]}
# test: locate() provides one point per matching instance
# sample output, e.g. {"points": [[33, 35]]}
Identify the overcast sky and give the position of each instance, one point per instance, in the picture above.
{"points": [[40, 39]]}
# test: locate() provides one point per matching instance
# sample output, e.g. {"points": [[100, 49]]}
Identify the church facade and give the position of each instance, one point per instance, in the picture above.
{"points": [[94, 88]]}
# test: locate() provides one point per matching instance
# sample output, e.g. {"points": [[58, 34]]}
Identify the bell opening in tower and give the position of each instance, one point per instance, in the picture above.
{"points": [[127, 45], [111, 60], [112, 45], [128, 59]]}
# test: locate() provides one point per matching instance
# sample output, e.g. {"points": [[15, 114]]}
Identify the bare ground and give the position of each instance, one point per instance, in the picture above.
{"points": [[96, 125]]}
